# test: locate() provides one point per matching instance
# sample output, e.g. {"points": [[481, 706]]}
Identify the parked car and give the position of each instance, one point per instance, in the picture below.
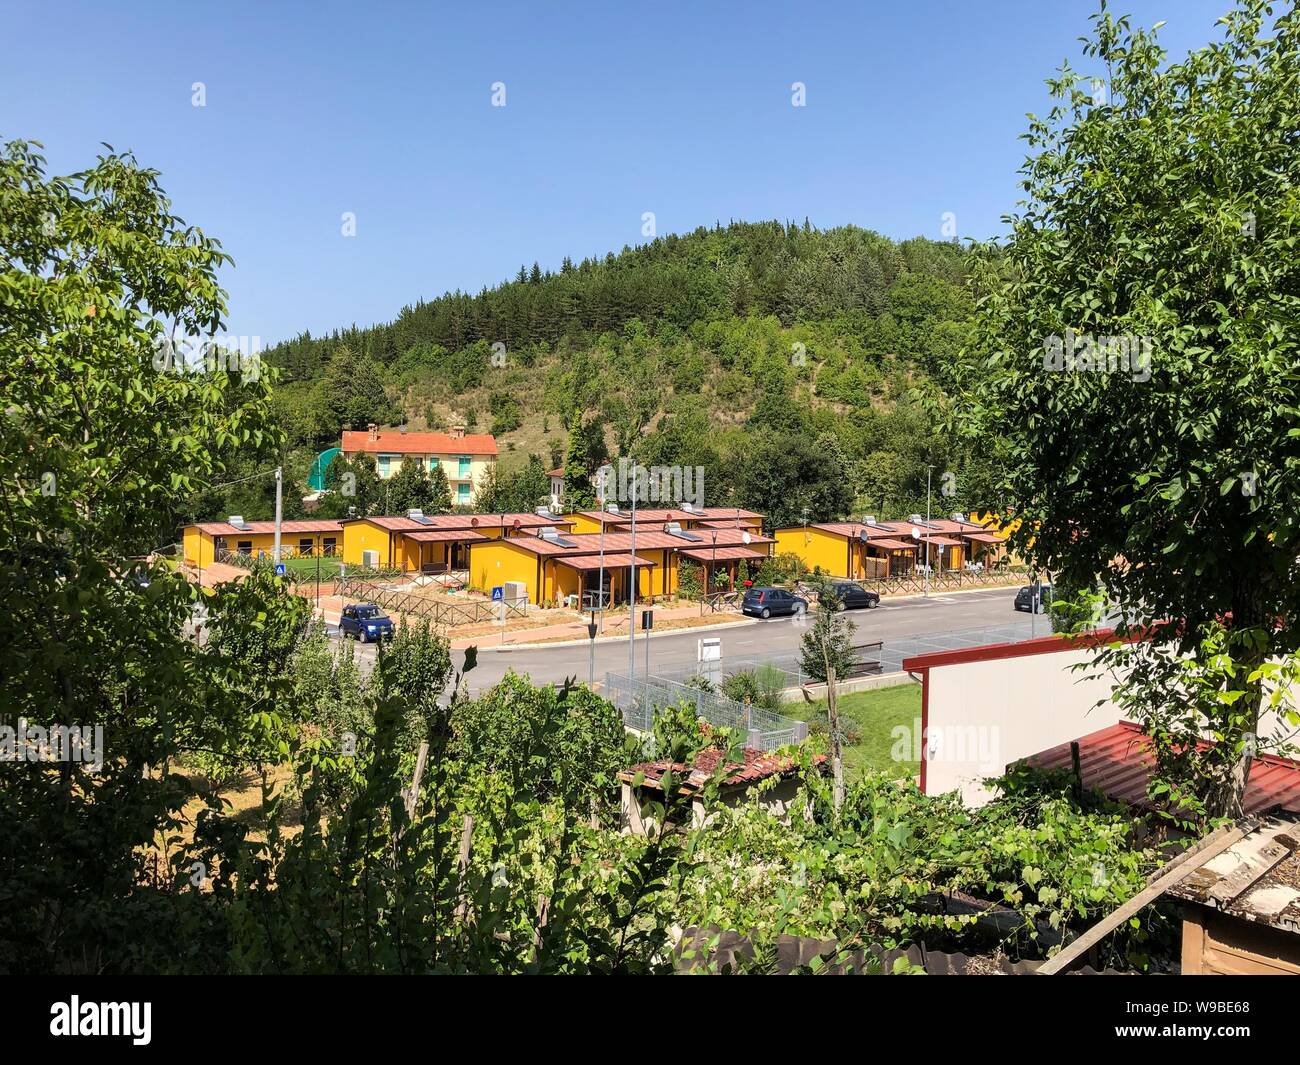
{"points": [[853, 596], [772, 602], [1025, 598], [365, 622]]}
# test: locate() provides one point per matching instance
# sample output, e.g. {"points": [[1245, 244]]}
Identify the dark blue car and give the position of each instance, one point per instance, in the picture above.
{"points": [[366, 623]]}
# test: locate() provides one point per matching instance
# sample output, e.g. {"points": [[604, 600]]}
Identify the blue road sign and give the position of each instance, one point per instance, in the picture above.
{"points": [[498, 594], [279, 569]]}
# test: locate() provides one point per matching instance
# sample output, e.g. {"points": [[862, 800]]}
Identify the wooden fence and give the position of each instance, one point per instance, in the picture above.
{"points": [[439, 612]]}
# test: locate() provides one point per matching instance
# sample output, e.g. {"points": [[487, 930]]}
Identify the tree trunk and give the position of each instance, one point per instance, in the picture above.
{"points": [[837, 753]]}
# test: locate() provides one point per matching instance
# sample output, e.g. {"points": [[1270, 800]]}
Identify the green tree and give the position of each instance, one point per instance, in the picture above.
{"points": [[104, 437], [352, 393], [1136, 351]]}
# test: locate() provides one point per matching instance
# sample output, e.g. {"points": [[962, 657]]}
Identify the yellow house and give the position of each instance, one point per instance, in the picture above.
{"points": [[464, 458], [859, 550], [434, 543], [559, 567], [870, 549], [209, 541]]}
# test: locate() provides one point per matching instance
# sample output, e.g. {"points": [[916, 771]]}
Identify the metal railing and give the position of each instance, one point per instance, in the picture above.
{"points": [[641, 697]]}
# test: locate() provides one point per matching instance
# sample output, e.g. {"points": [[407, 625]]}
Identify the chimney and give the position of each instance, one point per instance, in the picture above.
{"points": [[456, 432], [372, 431]]}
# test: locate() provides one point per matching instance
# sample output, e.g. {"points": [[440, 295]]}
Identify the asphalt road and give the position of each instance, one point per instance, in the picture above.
{"points": [[759, 640]]}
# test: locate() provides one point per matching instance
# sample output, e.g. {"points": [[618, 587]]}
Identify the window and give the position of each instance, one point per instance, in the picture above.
{"points": [[329, 543], [384, 465], [304, 546], [464, 466], [462, 493], [433, 463], [244, 547]]}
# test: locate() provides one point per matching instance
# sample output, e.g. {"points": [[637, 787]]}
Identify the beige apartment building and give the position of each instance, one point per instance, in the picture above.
{"points": [[464, 458]]}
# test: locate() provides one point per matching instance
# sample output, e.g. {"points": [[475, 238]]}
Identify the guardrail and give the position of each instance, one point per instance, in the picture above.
{"points": [[638, 699]]}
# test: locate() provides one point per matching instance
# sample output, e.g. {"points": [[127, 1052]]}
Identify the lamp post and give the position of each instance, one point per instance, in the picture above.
{"points": [[279, 481], [928, 470], [631, 599], [602, 477]]}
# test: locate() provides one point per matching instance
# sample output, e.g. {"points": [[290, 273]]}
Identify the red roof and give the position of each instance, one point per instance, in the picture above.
{"points": [[438, 536], [462, 521], [647, 514], [224, 528], [1118, 760], [646, 539], [757, 766], [722, 554], [586, 562], [893, 545], [392, 442]]}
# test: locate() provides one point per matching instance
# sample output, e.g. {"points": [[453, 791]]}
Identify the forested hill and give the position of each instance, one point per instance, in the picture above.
{"points": [[789, 362], [788, 271]]}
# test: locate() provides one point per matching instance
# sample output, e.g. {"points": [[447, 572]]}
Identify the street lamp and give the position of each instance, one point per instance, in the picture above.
{"points": [[928, 471]]}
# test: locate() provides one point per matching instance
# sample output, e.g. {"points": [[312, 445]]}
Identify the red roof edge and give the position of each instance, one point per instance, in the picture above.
{"points": [[1043, 645]]}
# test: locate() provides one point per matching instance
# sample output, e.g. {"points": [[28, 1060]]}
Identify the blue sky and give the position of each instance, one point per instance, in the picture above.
{"points": [[612, 110]]}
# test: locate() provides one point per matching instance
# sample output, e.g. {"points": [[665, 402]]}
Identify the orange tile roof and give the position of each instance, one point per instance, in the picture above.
{"points": [[399, 443], [224, 528], [401, 523], [647, 539]]}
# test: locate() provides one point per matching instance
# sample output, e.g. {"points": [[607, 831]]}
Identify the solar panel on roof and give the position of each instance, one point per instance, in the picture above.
{"points": [[418, 516]]}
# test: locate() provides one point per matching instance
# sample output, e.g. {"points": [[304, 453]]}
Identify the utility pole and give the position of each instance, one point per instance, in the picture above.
{"points": [[928, 471], [631, 599], [279, 483], [603, 481]]}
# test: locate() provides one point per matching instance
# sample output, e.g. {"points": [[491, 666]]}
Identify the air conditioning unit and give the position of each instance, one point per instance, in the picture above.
{"points": [[515, 592], [370, 559]]}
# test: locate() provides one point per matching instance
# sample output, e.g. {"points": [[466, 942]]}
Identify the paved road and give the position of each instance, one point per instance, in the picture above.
{"points": [[761, 640]]}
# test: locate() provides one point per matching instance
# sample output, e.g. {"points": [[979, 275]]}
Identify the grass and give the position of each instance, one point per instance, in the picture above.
{"points": [[868, 719], [329, 567]]}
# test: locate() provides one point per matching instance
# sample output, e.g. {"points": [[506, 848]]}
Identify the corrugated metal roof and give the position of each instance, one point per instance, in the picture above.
{"points": [[1118, 761], [757, 766]]}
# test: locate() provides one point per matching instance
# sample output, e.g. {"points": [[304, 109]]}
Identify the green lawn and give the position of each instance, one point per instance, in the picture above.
{"points": [[868, 718], [329, 567]]}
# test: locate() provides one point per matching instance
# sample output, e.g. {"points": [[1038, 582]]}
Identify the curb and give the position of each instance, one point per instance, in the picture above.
{"points": [[583, 641]]}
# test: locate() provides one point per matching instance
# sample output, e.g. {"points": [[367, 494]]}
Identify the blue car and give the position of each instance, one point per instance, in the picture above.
{"points": [[366, 623]]}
